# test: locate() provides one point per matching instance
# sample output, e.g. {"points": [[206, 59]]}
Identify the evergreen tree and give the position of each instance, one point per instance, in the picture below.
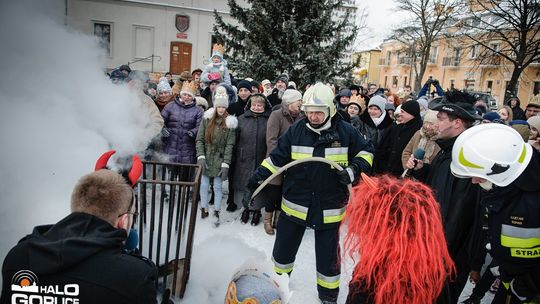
{"points": [[296, 36]]}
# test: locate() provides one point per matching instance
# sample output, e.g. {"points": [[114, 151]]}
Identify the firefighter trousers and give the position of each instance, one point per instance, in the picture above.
{"points": [[288, 238]]}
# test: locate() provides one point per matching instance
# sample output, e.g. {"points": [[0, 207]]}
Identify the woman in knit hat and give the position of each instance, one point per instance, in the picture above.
{"points": [[423, 139], [375, 121], [164, 93], [215, 142]]}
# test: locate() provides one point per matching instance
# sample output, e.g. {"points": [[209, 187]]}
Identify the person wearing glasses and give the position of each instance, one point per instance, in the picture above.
{"points": [[84, 253]]}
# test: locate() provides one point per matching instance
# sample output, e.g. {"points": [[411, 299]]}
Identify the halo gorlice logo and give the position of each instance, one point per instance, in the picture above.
{"points": [[26, 290]]}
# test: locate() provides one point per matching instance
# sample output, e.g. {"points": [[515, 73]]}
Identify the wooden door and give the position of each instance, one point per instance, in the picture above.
{"points": [[180, 57]]}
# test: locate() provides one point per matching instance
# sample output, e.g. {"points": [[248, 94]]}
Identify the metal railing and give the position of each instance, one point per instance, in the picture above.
{"points": [[450, 61], [167, 202]]}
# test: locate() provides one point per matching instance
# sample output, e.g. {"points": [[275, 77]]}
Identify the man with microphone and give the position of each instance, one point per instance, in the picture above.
{"points": [[455, 195]]}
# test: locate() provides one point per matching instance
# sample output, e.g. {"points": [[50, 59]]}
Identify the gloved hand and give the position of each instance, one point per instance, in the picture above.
{"points": [[250, 188], [429, 82], [165, 132], [520, 290], [346, 176], [214, 76], [202, 162], [190, 134], [224, 173], [435, 82]]}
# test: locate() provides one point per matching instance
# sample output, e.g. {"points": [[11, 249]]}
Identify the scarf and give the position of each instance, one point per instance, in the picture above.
{"points": [[377, 121], [162, 102]]}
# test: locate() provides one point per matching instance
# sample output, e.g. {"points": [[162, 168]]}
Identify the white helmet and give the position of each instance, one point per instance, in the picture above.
{"points": [[494, 152], [319, 97]]}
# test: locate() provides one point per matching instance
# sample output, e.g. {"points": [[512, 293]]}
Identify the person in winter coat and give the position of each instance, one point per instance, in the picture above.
{"points": [[423, 139], [215, 142], [217, 68], [374, 123], [250, 152], [314, 194], [509, 201], [244, 91], [79, 248], [182, 120], [164, 94], [154, 123], [279, 122], [281, 85], [388, 156], [456, 114], [517, 111]]}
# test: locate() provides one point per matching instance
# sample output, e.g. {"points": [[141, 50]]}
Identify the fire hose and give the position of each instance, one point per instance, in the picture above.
{"points": [[296, 162]]}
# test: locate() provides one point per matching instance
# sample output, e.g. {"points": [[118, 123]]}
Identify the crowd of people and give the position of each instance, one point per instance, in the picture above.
{"points": [[476, 165]]}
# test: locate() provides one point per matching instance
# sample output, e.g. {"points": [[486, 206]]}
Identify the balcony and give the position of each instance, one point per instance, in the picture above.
{"points": [[492, 60], [450, 62], [404, 61], [383, 61]]}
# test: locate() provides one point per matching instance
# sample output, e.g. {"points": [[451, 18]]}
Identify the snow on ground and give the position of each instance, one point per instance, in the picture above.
{"points": [[218, 252]]}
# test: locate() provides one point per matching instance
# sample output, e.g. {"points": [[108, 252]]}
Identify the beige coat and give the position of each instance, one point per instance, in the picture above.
{"points": [[279, 122], [155, 122], [420, 141]]}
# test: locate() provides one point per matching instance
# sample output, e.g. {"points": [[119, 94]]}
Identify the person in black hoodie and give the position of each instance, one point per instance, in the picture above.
{"points": [[87, 248], [388, 156], [454, 194], [517, 111]]}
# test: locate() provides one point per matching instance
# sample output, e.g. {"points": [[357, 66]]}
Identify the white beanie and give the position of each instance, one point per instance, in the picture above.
{"points": [[431, 116], [378, 101], [221, 98], [265, 82], [290, 96], [534, 122], [163, 85]]}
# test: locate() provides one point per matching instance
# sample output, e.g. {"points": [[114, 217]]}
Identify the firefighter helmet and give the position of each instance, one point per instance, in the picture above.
{"points": [[494, 152]]}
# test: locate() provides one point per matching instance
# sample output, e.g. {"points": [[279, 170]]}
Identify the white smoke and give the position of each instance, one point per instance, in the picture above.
{"points": [[58, 114]]}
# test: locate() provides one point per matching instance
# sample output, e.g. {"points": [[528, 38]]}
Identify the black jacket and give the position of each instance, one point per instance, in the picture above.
{"points": [[367, 128], [85, 250], [456, 196], [273, 98], [312, 194], [238, 108], [513, 220], [388, 155]]}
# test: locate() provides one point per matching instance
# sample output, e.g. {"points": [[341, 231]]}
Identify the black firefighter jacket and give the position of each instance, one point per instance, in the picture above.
{"points": [[84, 250], [513, 222], [312, 194], [457, 197]]}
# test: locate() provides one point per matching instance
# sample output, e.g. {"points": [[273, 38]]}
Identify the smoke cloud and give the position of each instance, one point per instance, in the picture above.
{"points": [[58, 114]]}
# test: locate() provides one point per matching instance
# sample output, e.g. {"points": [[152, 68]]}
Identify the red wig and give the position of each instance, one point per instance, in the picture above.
{"points": [[395, 227]]}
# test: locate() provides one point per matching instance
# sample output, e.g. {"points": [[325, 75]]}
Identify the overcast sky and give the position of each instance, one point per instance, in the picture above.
{"points": [[381, 17]]}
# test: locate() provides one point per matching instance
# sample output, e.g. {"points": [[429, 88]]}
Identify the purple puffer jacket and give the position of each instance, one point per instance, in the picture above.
{"points": [[179, 120]]}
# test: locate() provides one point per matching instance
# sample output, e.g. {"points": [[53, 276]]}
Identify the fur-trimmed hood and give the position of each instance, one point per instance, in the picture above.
{"points": [[231, 121]]}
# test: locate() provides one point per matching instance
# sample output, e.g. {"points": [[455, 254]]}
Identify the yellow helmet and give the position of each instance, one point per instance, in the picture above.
{"points": [[319, 97]]}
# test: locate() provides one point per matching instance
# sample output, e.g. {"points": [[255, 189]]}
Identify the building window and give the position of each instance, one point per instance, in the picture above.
{"points": [[489, 86], [475, 49], [496, 47], [143, 41], [103, 31], [394, 81], [452, 84], [405, 80], [385, 81], [469, 85], [536, 88], [433, 55]]}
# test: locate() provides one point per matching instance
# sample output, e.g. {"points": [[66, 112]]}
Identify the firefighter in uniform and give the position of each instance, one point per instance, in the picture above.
{"points": [[497, 159], [315, 194]]}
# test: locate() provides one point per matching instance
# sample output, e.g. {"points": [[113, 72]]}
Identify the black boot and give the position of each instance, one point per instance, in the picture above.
{"points": [[244, 218], [231, 207], [256, 218]]}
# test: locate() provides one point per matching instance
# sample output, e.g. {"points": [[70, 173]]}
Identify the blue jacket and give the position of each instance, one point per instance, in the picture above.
{"points": [[312, 194]]}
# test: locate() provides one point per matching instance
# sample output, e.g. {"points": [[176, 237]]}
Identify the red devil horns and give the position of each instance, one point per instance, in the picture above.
{"points": [[370, 182], [133, 174]]}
